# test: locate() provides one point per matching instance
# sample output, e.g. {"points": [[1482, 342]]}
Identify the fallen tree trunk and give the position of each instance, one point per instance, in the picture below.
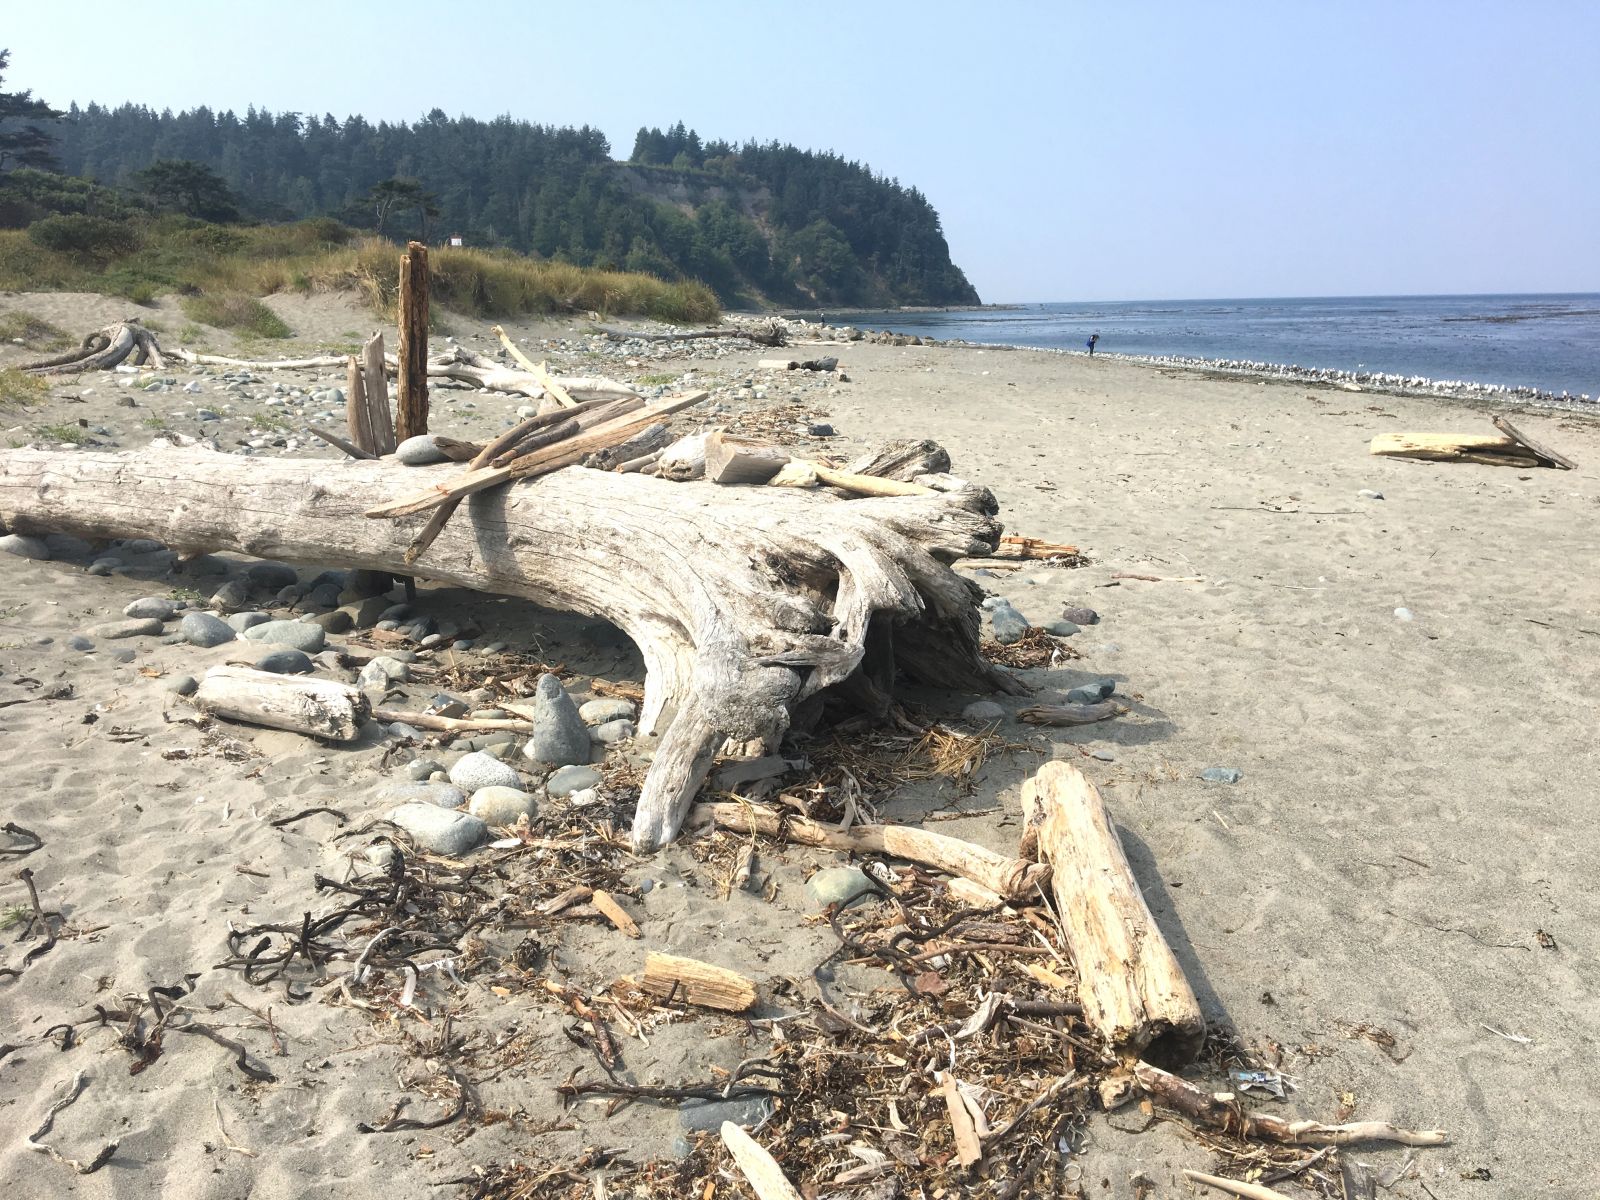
{"points": [[1011, 879], [772, 335], [260, 364], [319, 707], [743, 604], [1132, 989]]}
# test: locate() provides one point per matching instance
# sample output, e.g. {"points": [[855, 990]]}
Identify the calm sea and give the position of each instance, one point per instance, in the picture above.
{"points": [[1547, 343]]}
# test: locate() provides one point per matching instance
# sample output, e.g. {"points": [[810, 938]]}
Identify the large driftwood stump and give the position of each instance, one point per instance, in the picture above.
{"points": [[1132, 989], [743, 602]]}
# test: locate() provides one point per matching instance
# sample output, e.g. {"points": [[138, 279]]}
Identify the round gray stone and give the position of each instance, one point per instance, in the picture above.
{"points": [[382, 672], [423, 768], [1081, 616], [571, 779], [612, 732], [440, 795], [475, 771], [297, 634], [420, 451], [599, 712], [1062, 628], [157, 607], [500, 805], [439, 830], [271, 576], [183, 685], [135, 627], [25, 547], [839, 885], [78, 642], [983, 712], [1092, 693], [1009, 625], [240, 621], [286, 662]]}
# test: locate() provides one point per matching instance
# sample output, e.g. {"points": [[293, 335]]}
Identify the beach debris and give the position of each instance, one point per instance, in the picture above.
{"points": [[772, 333], [608, 908], [675, 979], [80, 1081], [318, 707], [1070, 714], [1404, 614], [760, 1170], [1133, 992], [1509, 448], [104, 350], [1221, 774]]}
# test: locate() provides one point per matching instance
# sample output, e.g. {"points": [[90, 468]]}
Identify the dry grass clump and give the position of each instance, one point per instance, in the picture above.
{"points": [[33, 332], [17, 388]]}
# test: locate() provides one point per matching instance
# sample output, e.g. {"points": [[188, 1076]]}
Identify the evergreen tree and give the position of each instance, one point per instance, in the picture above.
{"points": [[23, 144]]}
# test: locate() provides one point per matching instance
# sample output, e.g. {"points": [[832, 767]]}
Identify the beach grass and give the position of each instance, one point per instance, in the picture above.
{"points": [[218, 263]]}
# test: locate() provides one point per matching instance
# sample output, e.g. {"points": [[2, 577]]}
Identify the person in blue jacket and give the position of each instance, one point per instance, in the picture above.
{"points": [[1093, 338]]}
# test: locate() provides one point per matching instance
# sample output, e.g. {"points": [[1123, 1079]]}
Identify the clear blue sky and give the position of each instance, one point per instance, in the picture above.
{"points": [[1075, 152]]}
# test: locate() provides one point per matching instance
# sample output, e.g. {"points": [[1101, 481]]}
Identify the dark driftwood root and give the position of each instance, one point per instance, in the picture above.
{"points": [[744, 603]]}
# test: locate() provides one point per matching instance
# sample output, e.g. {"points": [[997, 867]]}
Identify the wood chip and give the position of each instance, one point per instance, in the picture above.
{"points": [[614, 912]]}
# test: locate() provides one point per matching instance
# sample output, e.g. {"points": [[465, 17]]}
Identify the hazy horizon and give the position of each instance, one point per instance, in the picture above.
{"points": [[1243, 151]]}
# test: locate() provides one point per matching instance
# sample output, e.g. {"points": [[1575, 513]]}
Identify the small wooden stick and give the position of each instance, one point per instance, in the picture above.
{"points": [[334, 439], [697, 982], [1250, 1191], [450, 724], [761, 1170], [614, 912], [969, 1149], [445, 511]]}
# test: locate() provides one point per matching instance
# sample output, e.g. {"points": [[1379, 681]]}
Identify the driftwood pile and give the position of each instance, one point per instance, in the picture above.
{"points": [[1510, 447]]}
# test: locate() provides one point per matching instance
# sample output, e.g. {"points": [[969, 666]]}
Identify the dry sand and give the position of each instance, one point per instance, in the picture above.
{"points": [[1398, 893]]}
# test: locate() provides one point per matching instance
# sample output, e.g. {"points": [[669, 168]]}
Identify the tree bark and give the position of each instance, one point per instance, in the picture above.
{"points": [[1132, 989], [413, 349], [375, 388], [743, 603], [357, 417]]}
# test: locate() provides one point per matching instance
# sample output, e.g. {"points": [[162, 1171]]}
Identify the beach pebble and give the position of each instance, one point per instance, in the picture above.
{"points": [[1062, 628], [839, 885], [1081, 616], [158, 607], [423, 768], [103, 566], [137, 627], [123, 656], [1103, 755], [1369, 494], [286, 662], [24, 546], [1092, 693], [478, 770], [1404, 614], [500, 805], [560, 738], [78, 642], [440, 794], [440, 830], [1222, 775], [407, 733], [612, 732], [240, 621], [299, 634], [337, 621], [571, 779], [183, 685], [598, 712], [1009, 625], [420, 451], [203, 629], [271, 576], [364, 613], [707, 1116], [383, 672], [983, 712], [231, 596]]}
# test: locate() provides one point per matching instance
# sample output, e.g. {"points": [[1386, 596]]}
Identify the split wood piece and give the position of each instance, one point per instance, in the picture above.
{"points": [[261, 364], [319, 707], [608, 907], [1545, 455], [412, 393], [969, 1148], [903, 460], [772, 335], [1130, 984], [761, 1171], [375, 390], [650, 440], [443, 513], [104, 349], [450, 724], [1484, 448], [1070, 714], [333, 439], [1030, 547], [1010, 878], [1225, 1113], [1235, 1187], [540, 462], [744, 605], [684, 459], [698, 983], [358, 419], [730, 460]]}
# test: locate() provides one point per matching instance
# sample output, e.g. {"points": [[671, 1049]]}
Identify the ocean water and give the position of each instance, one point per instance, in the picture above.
{"points": [[1545, 344]]}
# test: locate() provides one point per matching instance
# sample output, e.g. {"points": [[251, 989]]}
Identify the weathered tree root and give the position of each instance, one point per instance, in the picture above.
{"points": [[104, 349], [744, 602]]}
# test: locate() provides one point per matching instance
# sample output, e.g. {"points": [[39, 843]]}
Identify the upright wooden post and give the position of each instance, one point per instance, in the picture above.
{"points": [[376, 385], [412, 399]]}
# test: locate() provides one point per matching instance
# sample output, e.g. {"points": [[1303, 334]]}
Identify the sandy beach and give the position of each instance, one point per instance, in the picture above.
{"points": [[1394, 902]]}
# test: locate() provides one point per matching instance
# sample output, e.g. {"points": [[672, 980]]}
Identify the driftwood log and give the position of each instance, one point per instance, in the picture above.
{"points": [[1132, 989], [319, 707], [104, 349], [743, 604], [770, 335]]}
